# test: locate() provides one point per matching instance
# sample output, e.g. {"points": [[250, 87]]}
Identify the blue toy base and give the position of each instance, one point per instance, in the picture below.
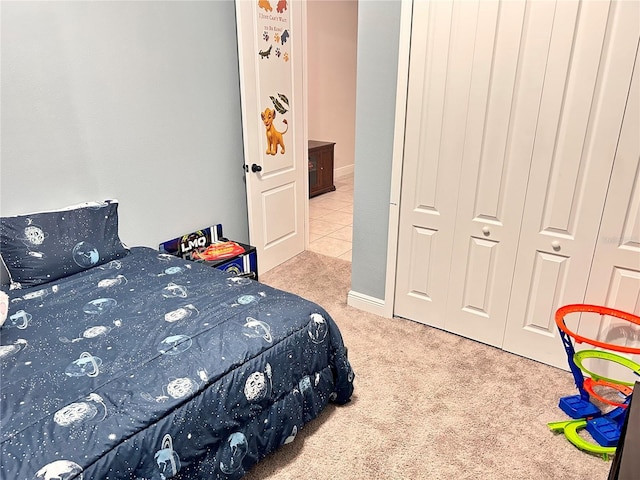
{"points": [[576, 407], [604, 431]]}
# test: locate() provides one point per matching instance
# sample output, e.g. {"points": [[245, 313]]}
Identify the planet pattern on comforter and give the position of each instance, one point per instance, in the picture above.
{"points": [[151, 367]]}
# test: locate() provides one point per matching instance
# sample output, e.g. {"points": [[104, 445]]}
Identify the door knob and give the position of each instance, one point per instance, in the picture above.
{"points": [[256, 168], [555, 245], [486, 230]]}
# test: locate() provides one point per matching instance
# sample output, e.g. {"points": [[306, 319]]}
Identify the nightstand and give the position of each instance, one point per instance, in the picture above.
{"points": [[320, 167], [209, 247]]}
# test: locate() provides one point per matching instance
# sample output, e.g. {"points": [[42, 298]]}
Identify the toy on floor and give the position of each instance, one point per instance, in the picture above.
{"points": [[603, 427]]}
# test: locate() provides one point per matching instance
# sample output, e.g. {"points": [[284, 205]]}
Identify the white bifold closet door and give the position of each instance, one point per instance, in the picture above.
{"points": [[615, 273], [513, 118]]}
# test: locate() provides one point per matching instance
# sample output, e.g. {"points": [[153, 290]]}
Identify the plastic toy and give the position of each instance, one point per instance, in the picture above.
{"points": [[570, 429], [623, 387], [604, 428], [218, 251]]}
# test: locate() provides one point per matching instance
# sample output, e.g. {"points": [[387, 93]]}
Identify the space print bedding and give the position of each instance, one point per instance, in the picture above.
{"points": [[141, 365]]}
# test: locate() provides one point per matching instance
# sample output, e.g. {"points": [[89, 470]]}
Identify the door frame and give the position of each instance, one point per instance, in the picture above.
{"points": [[397, 162]]}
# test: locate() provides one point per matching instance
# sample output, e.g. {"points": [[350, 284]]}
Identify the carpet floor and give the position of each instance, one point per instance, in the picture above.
{"points": [[427, 404]]}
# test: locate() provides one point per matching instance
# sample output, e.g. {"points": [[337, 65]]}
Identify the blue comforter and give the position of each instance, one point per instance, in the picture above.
{"points": [[151, 367]]}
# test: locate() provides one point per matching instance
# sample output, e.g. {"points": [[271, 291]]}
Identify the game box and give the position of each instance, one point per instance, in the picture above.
{"points": [[210, 247]]}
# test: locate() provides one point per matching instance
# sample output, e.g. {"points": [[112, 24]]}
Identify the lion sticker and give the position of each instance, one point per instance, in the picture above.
{"points": [[274, 137]]}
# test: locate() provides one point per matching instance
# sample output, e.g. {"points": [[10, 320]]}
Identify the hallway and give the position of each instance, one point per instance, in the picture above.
{"points": [[331, 220]]}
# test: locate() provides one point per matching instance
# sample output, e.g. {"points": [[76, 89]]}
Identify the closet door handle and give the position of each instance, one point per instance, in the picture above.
{"points": [[556, 245], [486, 231], [256, 168]]}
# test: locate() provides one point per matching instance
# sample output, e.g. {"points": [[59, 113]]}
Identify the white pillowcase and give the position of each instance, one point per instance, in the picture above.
{"points": [[4, 307]]}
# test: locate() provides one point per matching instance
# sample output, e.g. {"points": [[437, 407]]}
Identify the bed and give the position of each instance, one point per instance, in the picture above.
{"points": [[135, 364]]}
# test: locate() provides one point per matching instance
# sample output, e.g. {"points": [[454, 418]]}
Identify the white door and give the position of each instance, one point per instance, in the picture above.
{"points": [[510, 136], [587, 83], [615, 274], [432, 160], [495, 165], [271, 44], [465, 177]]}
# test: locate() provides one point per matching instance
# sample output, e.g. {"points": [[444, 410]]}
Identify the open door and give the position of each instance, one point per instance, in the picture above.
{"points": [[271, 44]]}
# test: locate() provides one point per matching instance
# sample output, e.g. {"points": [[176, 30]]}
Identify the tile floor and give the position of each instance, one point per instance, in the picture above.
{"points": [[331, 220]]}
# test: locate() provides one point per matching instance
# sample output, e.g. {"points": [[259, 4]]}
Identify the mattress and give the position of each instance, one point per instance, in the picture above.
{"points": [[152, 367]]}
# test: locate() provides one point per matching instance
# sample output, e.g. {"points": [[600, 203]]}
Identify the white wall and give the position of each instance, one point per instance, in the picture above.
{"points": [[131, 100], [140, 101], [332, 30], [378, 43]]}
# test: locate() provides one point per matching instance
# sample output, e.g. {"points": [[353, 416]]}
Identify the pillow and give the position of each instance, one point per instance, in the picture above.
{"points": [[4, 307], [43, 247]]}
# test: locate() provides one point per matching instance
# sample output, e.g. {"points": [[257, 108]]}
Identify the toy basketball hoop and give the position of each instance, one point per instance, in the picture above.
{"points": [[581, 308], [623, 390], [604, 428]]}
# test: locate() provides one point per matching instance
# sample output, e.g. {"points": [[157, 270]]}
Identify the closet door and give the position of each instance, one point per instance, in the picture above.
{"points": [[514, 42], [586, 85], [433, 155], [615, 274], [513, 118]]}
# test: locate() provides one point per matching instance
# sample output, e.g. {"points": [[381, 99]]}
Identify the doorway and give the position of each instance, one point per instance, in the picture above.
{"points": [[332, 29]]}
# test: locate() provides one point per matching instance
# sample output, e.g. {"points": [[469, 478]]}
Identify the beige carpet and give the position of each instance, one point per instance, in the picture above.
{"points": [[427, 404]]}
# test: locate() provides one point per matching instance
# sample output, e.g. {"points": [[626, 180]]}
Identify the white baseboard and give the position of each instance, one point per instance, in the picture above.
{"points": [[343, 171], [368, 304]]}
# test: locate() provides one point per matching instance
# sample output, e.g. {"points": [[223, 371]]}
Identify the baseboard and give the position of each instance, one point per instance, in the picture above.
{"points": [[368, 304], [343, 171]]}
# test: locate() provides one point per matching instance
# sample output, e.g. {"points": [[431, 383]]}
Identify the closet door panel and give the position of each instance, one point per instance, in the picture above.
{"points": [[513, 118], [432, 156], [615, 275], [420, 283], [549, 276], [575, 144], [492, 181]]}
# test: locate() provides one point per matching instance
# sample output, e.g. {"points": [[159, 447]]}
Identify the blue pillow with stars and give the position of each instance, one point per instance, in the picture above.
{"points": [[43, 247]]}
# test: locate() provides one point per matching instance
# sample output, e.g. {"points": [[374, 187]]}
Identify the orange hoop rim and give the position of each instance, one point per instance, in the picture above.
{"points": [[589, 383], [583, 308]]}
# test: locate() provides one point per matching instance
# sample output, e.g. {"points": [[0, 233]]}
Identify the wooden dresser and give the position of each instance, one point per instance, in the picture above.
{"points": [[320, 167]]}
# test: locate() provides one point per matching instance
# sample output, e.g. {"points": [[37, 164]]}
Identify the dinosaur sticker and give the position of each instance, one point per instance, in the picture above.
{"points": [[265, 53]]}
